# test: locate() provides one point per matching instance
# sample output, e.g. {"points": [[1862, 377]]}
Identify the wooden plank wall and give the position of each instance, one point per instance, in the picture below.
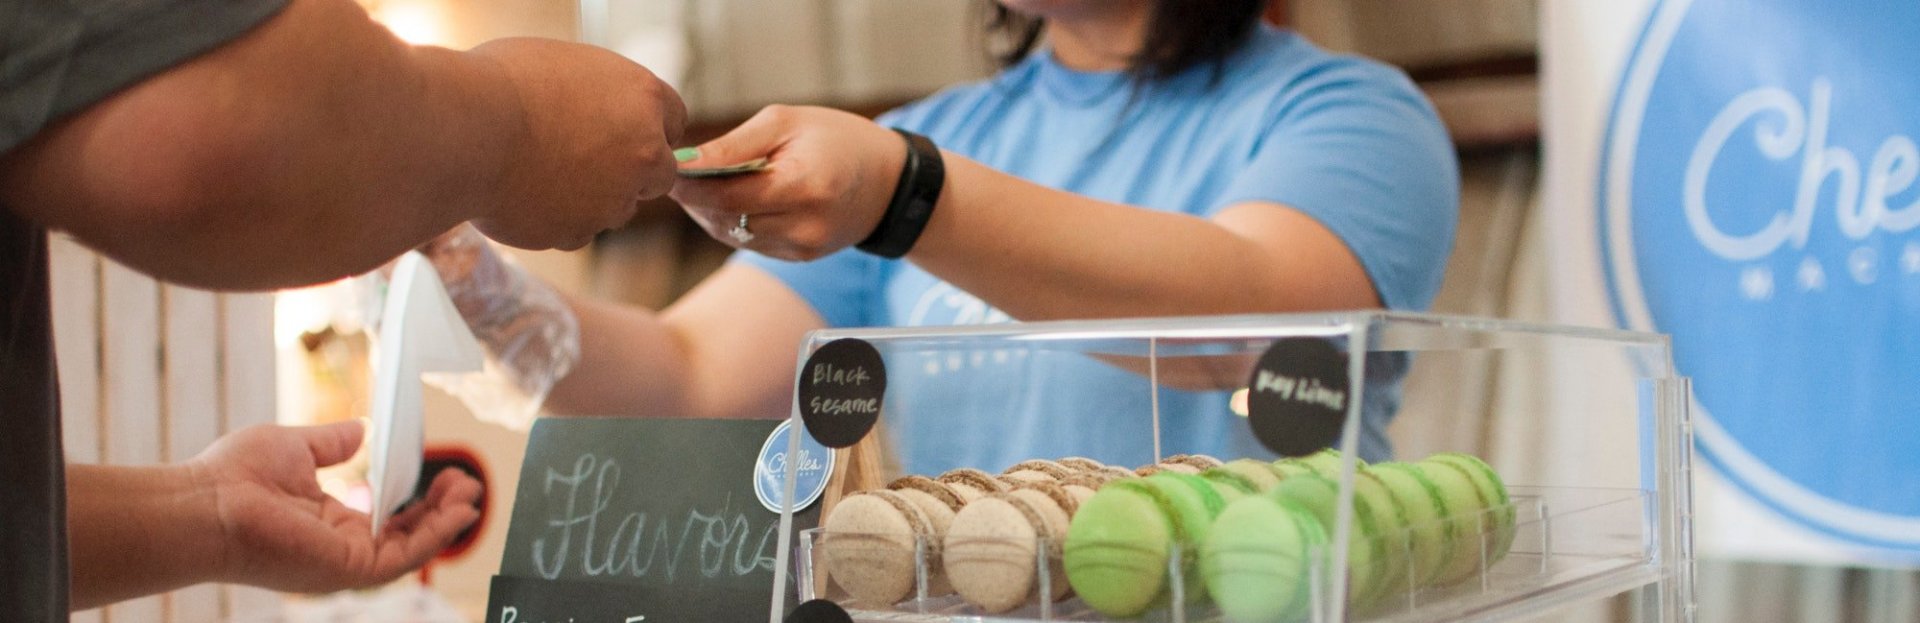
{"points": [[153, 373]]}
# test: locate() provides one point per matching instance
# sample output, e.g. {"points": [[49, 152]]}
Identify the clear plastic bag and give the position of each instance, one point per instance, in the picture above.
{"points": [[532, 337]]}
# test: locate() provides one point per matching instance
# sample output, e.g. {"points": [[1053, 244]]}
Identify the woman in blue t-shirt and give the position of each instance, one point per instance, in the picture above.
{"points": [[1153, 158]]}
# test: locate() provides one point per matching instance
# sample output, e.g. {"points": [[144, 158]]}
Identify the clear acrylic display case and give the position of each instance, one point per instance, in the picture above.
{"points": [[969, 397]]}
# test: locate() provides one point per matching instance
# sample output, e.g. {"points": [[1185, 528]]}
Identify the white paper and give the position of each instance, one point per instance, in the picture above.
{"points": [[420, 331]]}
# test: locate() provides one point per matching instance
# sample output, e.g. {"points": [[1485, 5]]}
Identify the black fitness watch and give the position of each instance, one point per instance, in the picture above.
{"points": [[913, 199]]}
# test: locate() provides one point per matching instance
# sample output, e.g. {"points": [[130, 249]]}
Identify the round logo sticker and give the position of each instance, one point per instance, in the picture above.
{"points": [[1758, 202], [1297, 397], [841, 389], [813, 466]]}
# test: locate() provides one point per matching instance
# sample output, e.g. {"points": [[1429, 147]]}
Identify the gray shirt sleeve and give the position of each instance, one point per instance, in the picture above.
{"points": [[58, 57]]}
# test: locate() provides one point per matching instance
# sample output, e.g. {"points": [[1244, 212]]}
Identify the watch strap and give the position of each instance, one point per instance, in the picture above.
{"points": [[914, 196]]}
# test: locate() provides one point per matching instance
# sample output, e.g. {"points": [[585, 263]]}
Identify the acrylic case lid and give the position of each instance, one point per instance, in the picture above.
{"points": [[1317, 467]]}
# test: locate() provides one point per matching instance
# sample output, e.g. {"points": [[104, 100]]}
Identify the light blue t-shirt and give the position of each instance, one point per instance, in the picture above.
{"points": [[1348, 141]]}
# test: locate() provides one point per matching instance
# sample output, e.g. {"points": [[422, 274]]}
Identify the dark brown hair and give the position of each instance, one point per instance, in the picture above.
{"points": [[1181, 34]]}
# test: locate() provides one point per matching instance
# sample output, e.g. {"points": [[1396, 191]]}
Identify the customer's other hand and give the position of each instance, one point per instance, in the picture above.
{"points": [[830, 178], [598, 139], [281, 531]]}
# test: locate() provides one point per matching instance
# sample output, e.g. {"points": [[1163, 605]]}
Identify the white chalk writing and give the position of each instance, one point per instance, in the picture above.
{"points": [[725, 544], [842, 406], [827, 373], [1307, 390]]}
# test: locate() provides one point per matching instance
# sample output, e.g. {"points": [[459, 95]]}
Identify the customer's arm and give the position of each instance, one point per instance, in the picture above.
{"points": [[246, 511], [318, 145]]}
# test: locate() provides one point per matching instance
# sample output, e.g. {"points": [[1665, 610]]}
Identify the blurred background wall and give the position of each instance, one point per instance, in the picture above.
{"points": [[218, 354]]}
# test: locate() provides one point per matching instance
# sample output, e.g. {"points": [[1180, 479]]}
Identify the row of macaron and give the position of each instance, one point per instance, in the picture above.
{"points": [[965, 531], [1248, 534], [1004, 541]]}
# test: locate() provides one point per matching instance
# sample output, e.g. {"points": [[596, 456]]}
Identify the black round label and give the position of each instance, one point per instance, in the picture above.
{"points": [[1297, 397], [841, 389], [818, 611]]}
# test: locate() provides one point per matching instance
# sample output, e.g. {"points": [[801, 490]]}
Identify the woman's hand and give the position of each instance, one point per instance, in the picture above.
{"points": [[830, 176], [282, 532]]}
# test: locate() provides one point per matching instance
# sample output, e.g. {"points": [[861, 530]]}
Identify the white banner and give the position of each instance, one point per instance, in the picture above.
{"points": [[1741, 175]]}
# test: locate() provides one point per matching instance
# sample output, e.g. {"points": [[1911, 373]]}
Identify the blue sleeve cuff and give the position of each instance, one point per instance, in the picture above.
{"points": [[1365, 155]]}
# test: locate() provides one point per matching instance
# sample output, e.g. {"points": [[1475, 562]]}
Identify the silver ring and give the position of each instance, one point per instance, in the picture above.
{"points": [[740, 232]]}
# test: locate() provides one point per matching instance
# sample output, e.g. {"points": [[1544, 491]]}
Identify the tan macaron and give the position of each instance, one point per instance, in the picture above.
{"points": [[1024, 476], [1081, 464], [938, 502], [869, 542], [971, 483], [1084, 484], [1052, 470], [1199, 462], [1081, 486], [993, 547]]}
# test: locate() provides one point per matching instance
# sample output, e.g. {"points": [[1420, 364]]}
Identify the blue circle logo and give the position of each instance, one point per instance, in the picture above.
{"points": [[812, 466], [1759, 196]]}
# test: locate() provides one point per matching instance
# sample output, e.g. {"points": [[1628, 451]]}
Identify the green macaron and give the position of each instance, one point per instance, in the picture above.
{"points": [[1117, 547], [1119, 542], [1255, 560], [1313, 492], [1325, 462], [1260, 474], [1230, 485], [1287, 469], [1499, 516], [1430, 527], [1472, 523], [1197, 502], [1366, 549], [1373, 571]]}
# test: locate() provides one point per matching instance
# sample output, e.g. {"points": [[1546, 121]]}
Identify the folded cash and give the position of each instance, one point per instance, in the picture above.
{"points": [[750, 166]]}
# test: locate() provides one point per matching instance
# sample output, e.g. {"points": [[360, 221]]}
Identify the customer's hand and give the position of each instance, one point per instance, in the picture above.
{"points": [[598, 139], [281, 531], [831, 175]]}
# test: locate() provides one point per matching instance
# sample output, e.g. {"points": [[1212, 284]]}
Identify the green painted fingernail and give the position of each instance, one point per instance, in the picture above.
{"points": [[686, 154]]}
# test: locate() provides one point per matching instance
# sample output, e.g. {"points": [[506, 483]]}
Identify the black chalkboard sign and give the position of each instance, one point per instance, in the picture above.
{"points": [[519, 600], [640, 519]]}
